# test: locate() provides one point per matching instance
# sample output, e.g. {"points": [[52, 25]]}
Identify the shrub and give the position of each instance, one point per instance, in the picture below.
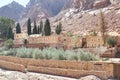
{"points": [[9, 44], [51, 53], [111, 41]]}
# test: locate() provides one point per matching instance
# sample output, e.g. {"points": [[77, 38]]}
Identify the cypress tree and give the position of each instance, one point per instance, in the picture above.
{"points": [[18, 29], [9, 33], [103, 27], [41, 27], [38, 30], [29, 27], [58, 29], [35, 28], [47, 28]]}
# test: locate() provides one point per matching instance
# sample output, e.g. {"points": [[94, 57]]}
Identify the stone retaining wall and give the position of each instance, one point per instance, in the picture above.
{"points": [[74, 69]]}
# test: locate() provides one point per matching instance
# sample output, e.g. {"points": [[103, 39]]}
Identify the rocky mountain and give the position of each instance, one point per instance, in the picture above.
{"points": [[12, 10], [83, 16], [40, 9]]}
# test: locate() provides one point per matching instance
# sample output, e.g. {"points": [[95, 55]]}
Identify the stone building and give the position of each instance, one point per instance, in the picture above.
{"points": [[117, 47], [39, 41], [35, 39], [74, 42], [19, 38], [57, 41], [94, 41]]}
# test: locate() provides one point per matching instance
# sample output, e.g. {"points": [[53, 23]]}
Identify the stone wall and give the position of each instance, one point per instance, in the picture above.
{"points": [[19, 38], [94, 41], [75, 69]]}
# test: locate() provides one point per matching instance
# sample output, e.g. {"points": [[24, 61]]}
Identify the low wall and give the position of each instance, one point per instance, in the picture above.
{"points": [[74, 69], [67, 72], [22, 61], [11, 66]]}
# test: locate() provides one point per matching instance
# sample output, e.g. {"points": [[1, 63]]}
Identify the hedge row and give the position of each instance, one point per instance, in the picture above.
{"points": [[11, 66]]}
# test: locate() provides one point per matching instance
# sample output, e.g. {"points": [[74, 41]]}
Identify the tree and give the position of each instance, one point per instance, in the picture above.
{"points": [[38, 30], [58, 29], [111, 41], [9, 33], [35, 28], [41, 27], [29, 27], [94, 33], [5, 23], [47, 28], [9, 44], [103, 27], [18, 29], [69, 34]]}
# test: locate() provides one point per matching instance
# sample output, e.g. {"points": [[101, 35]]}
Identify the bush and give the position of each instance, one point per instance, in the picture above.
{"points": [[111, 41], [51, 53], [9, 44]]}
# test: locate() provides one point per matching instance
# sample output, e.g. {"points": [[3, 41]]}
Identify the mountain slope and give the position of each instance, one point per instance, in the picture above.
{"points": [[40, 9], [83, 16], [12, 10]]}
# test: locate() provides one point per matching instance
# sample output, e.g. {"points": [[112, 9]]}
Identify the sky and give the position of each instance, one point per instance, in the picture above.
{"points": [[5, 2]]}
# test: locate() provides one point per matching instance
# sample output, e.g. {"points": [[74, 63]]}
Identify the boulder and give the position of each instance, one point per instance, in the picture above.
{"points": [[101, 3]]}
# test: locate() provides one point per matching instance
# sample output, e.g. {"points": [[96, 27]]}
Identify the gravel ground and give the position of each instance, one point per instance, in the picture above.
{"points": [[14, 75]]}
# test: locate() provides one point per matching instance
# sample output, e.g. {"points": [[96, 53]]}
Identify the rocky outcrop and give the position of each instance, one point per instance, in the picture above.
{"points": [[89, 4], [101, 4], [41, 9], [81, 20], [114, 1]]}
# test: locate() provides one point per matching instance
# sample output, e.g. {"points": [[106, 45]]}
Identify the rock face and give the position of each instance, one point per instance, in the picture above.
{"points": [[12, 10], [101, 4], [89, 4], [40, 9], [114, 1], [83, 16]]}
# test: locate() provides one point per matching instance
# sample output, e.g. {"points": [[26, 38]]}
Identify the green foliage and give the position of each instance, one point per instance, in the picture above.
{"points": [[38, 30], [94, 33], [52, 53], [18, 29], [29, 27], [9, 33], [58, 29], [5, 23], [41, 27], [24, 52], [69, 34], [9, 43], [47, 28], [35, 28], [111, 41]]}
